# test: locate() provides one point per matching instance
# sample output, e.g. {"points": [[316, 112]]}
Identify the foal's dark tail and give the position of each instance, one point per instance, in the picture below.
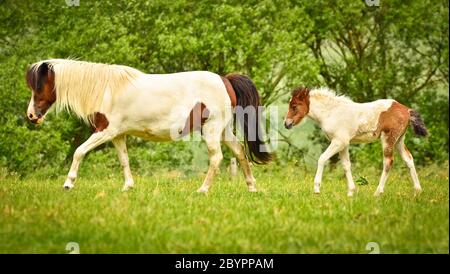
{"points": [[247, 96], [417, 123]]}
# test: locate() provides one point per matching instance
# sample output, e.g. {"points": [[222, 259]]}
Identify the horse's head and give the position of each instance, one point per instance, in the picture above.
{"points": [[298, 107], [41, 81]]}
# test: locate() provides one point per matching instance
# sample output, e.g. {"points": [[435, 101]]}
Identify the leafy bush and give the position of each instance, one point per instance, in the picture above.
{"points": [[279, 44]]}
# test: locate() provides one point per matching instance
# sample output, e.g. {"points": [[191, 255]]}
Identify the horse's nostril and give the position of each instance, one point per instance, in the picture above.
{"points": [[30, 116], [39, 115]]}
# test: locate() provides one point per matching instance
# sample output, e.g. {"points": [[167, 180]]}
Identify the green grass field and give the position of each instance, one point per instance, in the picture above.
{"points": [[164, 214]]}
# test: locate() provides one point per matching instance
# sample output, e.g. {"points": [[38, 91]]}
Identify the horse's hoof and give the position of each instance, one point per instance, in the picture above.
{"points": [[377, 193], [67, 187], [350, 194]]}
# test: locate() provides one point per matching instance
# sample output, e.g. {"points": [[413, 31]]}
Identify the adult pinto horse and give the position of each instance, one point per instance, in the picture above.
{"points": [[345, 122], [119, 100]]}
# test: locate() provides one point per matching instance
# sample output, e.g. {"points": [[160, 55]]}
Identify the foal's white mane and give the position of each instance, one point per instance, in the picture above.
{"points": [[81, 86], [328, 96]]}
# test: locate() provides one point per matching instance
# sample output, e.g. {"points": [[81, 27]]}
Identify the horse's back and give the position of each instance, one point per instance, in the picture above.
{"points": [[160, 102]]}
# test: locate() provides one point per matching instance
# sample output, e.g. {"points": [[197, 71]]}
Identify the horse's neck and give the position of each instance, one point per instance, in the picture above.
{"points": [[320, 108]]}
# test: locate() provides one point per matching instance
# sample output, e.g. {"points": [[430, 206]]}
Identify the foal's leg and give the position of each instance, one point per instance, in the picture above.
{"points": [[387, 142], [346, 164], [121, 147], [212, 133], [408, 159], [232, 142], [335, 147], [95, 140]]}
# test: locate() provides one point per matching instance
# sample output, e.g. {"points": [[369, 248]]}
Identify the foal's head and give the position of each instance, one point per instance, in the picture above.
{"points": [[298, 107], [41, 81]]}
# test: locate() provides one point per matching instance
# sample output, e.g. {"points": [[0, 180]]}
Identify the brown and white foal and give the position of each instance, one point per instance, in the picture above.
{"points": [[345, 122]]}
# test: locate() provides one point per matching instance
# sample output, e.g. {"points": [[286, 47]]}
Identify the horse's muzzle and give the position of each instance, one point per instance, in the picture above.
{"points": [[35, 119]]}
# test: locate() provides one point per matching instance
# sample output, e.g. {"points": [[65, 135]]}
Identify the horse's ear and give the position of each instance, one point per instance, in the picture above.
{"points": [[42, 74]]}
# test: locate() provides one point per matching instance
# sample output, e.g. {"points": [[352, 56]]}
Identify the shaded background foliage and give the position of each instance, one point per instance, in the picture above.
{"points": [[398, 50]]}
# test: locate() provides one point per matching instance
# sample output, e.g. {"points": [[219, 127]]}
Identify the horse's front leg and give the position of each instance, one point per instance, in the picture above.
{"points": [[335, 147], [95, 140], [121, 147]]}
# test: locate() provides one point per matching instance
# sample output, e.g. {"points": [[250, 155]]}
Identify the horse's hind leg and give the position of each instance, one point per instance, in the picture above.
{"points": [[388, 142], [408, 159], [232, 142], [211, 133], [121, 147], [346, 164], [95, 140]]}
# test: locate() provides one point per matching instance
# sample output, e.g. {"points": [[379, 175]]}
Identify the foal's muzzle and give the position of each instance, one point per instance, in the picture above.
{"points": [[288, 123]]}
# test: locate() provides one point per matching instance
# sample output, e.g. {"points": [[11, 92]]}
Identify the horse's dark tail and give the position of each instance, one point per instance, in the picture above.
{"points": [[247, 96], [417, 123]]}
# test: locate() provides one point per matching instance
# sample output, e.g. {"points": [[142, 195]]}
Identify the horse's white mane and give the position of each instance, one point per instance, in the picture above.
{"points": [[80, 86], [326, 94]]}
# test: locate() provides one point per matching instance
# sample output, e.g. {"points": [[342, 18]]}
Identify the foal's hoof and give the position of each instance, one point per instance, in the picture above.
{"points": [[126, 188], [252, 189], [417, 191], [378, 193], [351, 191], [202, 190]]}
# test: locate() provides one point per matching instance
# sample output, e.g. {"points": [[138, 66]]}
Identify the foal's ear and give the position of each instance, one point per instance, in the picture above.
{"points": [[304, 92]]}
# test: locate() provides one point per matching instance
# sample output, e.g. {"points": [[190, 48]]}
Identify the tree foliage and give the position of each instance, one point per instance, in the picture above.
{"points": [[398, 50]]}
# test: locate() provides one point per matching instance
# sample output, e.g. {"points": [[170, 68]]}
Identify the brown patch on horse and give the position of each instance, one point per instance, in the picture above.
{"points": [[99, 122], [394, 121], [197, 117], [298, 106], [230, 91]]}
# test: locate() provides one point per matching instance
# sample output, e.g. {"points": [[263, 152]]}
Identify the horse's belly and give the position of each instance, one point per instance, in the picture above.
{"points": [[150, 136]]}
